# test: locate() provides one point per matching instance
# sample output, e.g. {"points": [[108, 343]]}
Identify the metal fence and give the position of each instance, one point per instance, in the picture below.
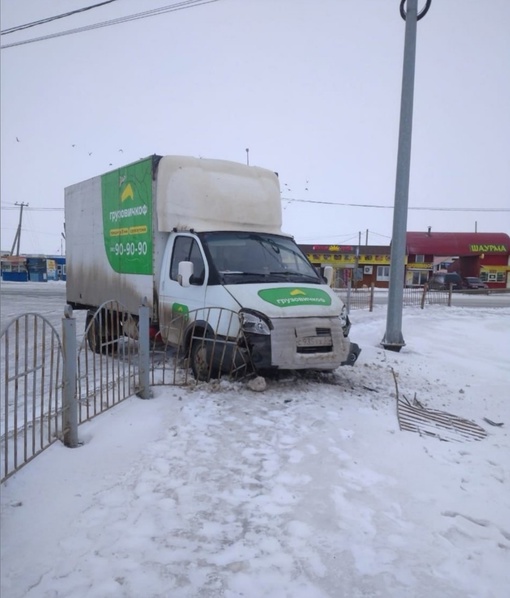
{"points": [[50, 385], [366, 297], [31, 374], [107, 361], [202, 353], [356, 298]]}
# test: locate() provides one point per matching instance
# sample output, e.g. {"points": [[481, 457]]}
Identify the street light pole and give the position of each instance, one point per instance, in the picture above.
{"points": [[393, 339]]}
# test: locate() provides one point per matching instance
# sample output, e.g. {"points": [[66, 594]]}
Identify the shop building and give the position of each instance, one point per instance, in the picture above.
{"points": [[33, 268], [485, 255], [362, 265]]}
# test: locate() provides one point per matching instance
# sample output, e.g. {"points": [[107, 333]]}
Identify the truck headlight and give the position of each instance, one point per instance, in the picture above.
{"points": [[255, 323], [344, 319]]}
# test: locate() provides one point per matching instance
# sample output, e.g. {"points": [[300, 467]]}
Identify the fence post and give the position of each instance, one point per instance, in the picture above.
{"points": [[371, 304], [424, 294], [144, 350], [69, 398], [450, 291], [348, 298]]}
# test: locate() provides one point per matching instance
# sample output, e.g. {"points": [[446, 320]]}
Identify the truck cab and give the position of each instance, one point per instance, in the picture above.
{"points": [[289, 317]]}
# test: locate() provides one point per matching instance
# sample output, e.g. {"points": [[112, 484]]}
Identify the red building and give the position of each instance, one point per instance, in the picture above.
{"points": [[486, 255]]}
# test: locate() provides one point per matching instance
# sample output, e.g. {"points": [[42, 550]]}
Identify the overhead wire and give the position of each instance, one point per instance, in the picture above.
{"points": [[32, 209], [185, 4], [54, 18], [386, 207], [309, 201]]}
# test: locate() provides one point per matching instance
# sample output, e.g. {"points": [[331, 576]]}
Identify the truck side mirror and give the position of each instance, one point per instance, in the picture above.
{"points": [[185, 272], [328, 274]]}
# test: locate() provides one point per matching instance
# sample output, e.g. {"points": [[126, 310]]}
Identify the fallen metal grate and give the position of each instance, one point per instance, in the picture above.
{"points": [[431, 422], [414, 417]]}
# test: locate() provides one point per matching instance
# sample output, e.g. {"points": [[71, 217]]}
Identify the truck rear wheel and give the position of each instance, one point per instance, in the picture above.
{"points": [[102, 333], [92, 332]]}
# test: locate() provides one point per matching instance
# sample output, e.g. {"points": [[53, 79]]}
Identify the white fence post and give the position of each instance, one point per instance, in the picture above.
{"points": [[69, 398], [348, 298], [143, 350]]}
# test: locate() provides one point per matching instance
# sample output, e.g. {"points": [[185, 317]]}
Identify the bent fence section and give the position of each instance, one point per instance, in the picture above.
{"points": [[208, 343], [50, 384]]}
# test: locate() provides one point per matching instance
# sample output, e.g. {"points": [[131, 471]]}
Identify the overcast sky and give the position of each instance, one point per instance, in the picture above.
{"points": [[311, 87]]}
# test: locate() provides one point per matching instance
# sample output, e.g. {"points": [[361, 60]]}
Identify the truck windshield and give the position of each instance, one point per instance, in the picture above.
{"points": [[240, 257]]}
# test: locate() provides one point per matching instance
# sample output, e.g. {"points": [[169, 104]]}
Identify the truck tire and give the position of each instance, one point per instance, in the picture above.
{"points": [[92, 332], [200, 362], [100, 338]]}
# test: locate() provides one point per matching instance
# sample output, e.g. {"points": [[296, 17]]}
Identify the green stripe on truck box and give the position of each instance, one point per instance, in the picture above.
{"points": [[127, 217]]}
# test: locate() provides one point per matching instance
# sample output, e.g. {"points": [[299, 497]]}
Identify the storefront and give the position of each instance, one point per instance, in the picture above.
{"points": [[484, 255], [363, 265], [14, 268], [33, 268]]}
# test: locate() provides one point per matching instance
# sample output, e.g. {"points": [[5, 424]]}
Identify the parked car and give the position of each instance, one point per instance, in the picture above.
{"points": [[472, 282], [443, 280]]}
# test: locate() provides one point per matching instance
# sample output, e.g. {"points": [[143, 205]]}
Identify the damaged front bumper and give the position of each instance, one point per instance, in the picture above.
{"points": [[354, 351]]}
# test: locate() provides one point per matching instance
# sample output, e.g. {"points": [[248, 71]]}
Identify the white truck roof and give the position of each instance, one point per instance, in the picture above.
{"points": [[209, 195]]}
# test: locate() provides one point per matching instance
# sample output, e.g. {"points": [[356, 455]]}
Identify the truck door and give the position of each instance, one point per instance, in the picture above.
{"points": [[176, 301]]}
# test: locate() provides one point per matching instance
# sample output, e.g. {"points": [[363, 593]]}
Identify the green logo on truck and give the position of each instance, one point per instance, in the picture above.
{"points": [[291, 297], [127, 217]]}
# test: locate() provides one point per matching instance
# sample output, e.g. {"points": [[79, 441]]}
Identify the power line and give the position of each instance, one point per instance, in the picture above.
{"points": [[319, 202], [49, 19], [34, 209], [142, 15], [425, 208]]}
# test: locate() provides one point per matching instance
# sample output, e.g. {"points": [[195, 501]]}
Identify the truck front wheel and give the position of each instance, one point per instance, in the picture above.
{"points": [[200, 361]]}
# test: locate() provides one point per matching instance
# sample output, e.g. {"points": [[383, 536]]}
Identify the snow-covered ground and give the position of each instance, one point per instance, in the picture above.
{"points": [[306, 490]]}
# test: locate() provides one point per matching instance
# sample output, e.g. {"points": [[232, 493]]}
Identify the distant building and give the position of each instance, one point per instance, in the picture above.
{"points": [[485, 255], [33, 268], [359, 264], [14, 268], [56, 267]]}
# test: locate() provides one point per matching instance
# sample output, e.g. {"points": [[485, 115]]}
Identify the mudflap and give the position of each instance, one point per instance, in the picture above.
{"points": [[354, 351]]}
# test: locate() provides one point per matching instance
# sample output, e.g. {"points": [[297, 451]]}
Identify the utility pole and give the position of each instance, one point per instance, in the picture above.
{"points": [[17, 236], [393, 339], [356, 264]]}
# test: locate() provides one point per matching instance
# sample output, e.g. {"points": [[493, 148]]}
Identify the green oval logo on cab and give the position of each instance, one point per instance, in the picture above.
{"points": [[291, 297]]}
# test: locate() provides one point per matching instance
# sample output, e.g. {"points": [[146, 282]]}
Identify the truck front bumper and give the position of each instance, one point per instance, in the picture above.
{"points": [[354, 352], [296, 344]]}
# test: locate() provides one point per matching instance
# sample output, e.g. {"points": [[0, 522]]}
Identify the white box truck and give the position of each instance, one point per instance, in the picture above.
{"points": [[188, 234]]}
